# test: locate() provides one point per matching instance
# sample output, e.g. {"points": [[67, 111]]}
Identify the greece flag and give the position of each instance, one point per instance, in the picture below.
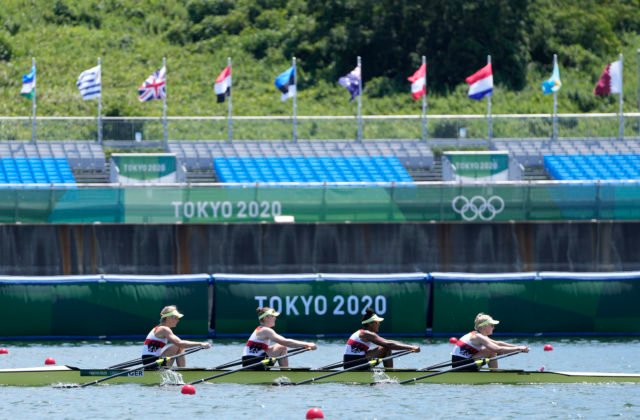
{"points": [[89, 83]]}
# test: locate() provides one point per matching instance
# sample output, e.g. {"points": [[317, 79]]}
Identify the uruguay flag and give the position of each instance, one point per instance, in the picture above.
{"points": [[89, 83], [480, 83], [553, 84], [286, 83]]}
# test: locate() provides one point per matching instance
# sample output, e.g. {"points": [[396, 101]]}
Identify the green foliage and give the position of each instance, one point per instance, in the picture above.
{"points": [[197, 36]]}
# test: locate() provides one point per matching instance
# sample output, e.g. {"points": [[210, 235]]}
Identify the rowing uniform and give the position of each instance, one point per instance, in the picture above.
{"points": [[464, 351], [153, 347], [355, 351], [256, 350]]}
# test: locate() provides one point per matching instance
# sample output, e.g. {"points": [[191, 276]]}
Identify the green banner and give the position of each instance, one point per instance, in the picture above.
{"points": [[149, 168], [479, 166], [101, 306], [321, 304], [545, 303], [443, 202]]}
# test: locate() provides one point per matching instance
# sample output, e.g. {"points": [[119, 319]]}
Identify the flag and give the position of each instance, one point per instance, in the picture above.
{"points": [[480, 83], [352, 82], [29, 84], [553, 84], [610, 80], [154, 87], [89, 83], [286, 83], [222, 88], [419, 82]]}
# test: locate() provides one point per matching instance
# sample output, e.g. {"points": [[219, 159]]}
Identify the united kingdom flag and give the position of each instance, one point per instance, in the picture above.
{"points": [[155, 87]]}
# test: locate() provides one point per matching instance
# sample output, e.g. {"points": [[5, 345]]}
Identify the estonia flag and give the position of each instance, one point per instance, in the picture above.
{"points": [[286, 83]]}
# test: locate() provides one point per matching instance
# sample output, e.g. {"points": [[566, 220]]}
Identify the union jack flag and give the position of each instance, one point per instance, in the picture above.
{"points": [[155, 87]]}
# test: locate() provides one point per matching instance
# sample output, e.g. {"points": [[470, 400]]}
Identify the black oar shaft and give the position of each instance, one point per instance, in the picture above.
{"points": [[476, 362], [158, 362], [265, 362], [369, 363]]}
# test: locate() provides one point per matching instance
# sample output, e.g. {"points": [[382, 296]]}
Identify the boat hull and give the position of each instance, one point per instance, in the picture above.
{"points": [[61, 375]]}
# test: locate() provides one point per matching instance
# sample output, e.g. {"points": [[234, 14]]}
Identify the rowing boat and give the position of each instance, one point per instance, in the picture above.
{"points": [[53, 375]]}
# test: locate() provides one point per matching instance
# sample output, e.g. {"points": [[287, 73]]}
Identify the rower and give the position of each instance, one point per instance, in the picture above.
{"points": [[162, 342], [359, 346], [478, 345], [265, 342]]}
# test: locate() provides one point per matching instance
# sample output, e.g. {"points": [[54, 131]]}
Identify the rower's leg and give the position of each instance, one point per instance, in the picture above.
{"points": [[493, 364], [278, 350], [379, 353], [172, 350]]}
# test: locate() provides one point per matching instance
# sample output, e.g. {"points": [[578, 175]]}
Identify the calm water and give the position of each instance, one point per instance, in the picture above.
{"points": [[389, 401]]}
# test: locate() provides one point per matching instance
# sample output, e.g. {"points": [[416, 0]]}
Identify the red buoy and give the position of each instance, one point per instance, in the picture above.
{"points": [[315, 413], [49, 361], [453, 340], [189, 389], [4, 351], [548, 347]]}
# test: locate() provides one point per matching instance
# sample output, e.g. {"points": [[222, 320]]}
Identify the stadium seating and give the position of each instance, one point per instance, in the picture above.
{"points": [[35, 171], [310, 169], [593, 167]]}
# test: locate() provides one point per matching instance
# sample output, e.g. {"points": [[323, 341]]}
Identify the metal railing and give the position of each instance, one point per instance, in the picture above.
{"points": [[274, 128]]}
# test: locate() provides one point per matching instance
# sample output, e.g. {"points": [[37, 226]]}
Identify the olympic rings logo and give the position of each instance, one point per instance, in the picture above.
{"points": [[477, 207]]}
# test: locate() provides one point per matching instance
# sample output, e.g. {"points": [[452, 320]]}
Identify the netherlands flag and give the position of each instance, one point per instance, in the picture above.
{"points": [[480, 83], [419, 82], [222, 88]]}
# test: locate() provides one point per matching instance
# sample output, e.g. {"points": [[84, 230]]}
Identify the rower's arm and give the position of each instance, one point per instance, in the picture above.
{"points": [[270, 334], [183, 344], [389, 344]]}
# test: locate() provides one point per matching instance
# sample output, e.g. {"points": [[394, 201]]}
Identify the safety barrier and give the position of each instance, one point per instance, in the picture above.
{"points": [[413, 304]]}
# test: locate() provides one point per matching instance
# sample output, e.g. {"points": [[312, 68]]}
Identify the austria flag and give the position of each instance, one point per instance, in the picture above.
{"points": [[610, 80], [480, 83], [223, 84], [419, 82]]}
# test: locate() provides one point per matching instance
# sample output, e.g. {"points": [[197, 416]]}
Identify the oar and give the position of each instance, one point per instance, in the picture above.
{"points": [[437, 365], [266, 362], [130, 363], [340, 364], [477, 362], [158, 362], [239, 361], [370, 363]]}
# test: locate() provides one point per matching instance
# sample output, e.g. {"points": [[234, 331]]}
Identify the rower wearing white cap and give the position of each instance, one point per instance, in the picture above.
{"points": [[265, 342], [359, 347], [477, 344], [162, 342]]}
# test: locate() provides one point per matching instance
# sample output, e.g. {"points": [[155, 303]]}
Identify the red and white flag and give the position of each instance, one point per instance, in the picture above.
{"points": [[222, 87], [610, 80], [419, 82]]}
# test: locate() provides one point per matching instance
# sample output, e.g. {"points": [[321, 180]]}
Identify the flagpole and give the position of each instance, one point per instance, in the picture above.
{"points": [[489, 120], [100, 105], [359, 137], [229, 123], [165, 132], [295, 96], [33, 101], [620, 99], [424, 102], [554, 121]]}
